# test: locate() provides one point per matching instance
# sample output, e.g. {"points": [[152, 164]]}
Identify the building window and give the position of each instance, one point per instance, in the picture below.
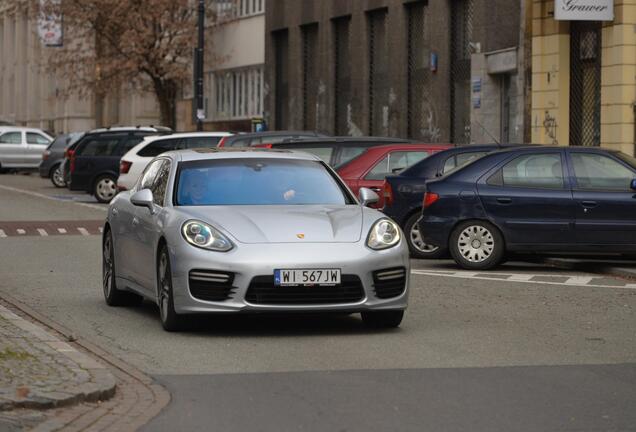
{"points": [[235, 94], [227, 10], [310, 75], [421, 121], [342, 78], [378, 73], [461, 38], [281, 64]]}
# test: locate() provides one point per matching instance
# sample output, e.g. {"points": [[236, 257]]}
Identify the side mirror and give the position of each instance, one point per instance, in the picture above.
{"points": [[143, 198], [368, 197], [633, 184]]}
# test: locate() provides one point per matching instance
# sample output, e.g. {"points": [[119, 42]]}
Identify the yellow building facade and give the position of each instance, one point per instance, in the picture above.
{"points": [[584, 78]]}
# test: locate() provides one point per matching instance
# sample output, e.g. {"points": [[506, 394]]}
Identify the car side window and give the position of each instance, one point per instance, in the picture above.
{"points": [[543, 170], [240, 142], [148, 177], [399, 161], [347, 154], [155, 148], [11, 138], [100, 146], [323, 153], [35, 138], [161, 184], [449, 165], [199, 142], [463, 158], [599, 172], [379, 171]]}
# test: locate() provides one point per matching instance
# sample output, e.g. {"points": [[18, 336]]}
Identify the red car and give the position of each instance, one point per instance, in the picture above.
{"points": [[371, 167]]}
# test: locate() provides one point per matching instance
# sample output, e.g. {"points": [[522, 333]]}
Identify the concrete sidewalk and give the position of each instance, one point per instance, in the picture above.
{"points": [[38, 370], [611, 267]]}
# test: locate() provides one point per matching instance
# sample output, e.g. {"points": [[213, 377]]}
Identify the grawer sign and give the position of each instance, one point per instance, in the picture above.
{"points": [[584, 10]]}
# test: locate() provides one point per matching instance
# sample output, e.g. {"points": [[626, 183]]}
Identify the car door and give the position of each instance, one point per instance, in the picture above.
{"points": [[11, 149], [146, 223], [91, 156], [605, 203], [529, 198], [36, 144]]}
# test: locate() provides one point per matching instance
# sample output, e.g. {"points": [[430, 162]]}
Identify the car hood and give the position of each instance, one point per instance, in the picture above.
{"points": [[284, 224]]}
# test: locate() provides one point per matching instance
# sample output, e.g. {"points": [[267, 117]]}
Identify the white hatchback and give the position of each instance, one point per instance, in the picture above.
{"points": [[22, 147], [135, 161]]}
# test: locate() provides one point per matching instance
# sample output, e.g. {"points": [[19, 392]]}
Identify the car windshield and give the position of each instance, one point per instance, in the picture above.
{"points": [[258, 181]]}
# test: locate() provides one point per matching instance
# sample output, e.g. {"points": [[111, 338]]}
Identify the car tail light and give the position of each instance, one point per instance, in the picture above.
{"points": [[46, 154], [71, 154], [388, 193], [267, 146], [124, 167], [222, 142], [429, 199]]}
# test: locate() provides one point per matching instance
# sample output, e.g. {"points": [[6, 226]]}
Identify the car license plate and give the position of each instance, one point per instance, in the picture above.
{"points": [[307, 277]]}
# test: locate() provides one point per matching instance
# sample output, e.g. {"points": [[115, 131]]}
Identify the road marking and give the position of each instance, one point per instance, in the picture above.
{"points": [[579, 280], [2, 234], [83, 231], [39, 195], [20, 231], [42, 232], [523, 278], [61, 230]]}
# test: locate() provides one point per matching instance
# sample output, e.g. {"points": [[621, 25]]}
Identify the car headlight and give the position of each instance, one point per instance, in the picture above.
{"points": [[204, 236], [384, 234]]}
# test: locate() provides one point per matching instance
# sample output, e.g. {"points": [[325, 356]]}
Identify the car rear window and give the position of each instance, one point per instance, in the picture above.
{"points": [[103, 145], [258, 181], [156, 148], [200, 142]]}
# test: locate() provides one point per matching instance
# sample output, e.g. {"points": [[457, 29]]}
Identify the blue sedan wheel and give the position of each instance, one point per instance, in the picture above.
{"points": [[417, 247], [477, 245]]}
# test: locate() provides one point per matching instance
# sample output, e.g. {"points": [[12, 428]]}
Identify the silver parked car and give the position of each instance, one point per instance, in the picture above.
{"points": [[213, 230], [22, 147]]}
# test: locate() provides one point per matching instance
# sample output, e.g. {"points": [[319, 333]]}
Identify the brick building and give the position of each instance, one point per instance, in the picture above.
{"points": [[436, 70]]}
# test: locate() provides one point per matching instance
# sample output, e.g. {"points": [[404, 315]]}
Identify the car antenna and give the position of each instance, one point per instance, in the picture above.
{"points": [[487, 132]]}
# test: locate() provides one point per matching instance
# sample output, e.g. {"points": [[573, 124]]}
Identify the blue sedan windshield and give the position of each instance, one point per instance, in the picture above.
{"points": [[257, 182]]}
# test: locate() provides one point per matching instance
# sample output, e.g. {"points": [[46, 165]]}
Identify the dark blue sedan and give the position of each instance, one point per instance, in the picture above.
{"points": [[403, 193], [536, 199]]}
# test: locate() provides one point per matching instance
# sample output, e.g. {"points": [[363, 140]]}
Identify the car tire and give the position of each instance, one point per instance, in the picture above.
{"points": [[57, 176], [170, 320], [382, 319], [105, 188], [477, 245], [114, 296], [417, 247]]}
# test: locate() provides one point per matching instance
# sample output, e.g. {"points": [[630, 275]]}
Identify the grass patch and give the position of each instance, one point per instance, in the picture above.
{"points": [[9, 354]]}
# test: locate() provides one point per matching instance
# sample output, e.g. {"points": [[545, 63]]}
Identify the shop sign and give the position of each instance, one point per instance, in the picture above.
{"points": [[584, 10]]}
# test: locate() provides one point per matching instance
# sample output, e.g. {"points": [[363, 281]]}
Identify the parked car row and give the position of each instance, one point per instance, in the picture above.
{"points": [[540, 199]]}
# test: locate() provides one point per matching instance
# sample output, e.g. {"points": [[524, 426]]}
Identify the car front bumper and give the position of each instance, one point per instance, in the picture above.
{"points": [[249, 261]]}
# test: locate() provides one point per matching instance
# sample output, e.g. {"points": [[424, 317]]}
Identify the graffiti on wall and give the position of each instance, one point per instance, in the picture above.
{"points": [[550, 128]]}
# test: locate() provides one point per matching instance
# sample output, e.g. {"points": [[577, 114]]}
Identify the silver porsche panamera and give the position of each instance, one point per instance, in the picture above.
{"points": [[217, 231]]}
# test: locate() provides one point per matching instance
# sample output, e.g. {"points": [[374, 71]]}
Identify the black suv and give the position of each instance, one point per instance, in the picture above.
{"points": [[94, 165]]}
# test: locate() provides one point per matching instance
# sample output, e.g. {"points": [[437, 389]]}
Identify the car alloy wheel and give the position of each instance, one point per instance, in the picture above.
{"points": [[57, 177], [105, 189], [418, 243], [169, 318], [417, 246], [476, 243], [108, 267]]}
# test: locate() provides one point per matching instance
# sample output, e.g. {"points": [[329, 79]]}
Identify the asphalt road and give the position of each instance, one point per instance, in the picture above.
{"points": [[526, 348]]}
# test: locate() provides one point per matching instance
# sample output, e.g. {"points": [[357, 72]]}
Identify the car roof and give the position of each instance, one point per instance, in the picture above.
{"points": [[344, 141], [186, 135], [278, 133], [20, 129], [130, 129], [237, 153]]}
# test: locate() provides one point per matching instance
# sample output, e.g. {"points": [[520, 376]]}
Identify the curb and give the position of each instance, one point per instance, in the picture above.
{"points": [[99, 383], [591, 267]]}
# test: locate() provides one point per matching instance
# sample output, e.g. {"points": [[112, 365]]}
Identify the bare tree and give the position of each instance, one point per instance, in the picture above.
{"points": [[143, 45]]}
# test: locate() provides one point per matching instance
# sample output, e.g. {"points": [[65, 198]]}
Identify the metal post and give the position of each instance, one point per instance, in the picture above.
{"points": [[198, 64]]}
